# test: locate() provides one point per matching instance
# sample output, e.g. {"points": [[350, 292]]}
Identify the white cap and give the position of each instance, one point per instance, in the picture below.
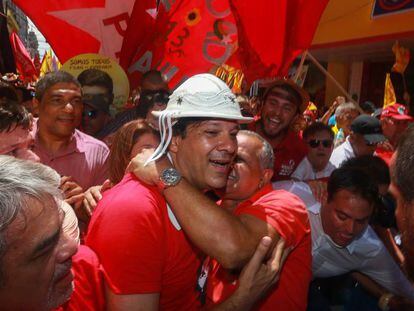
{"points": [[201, 96]]}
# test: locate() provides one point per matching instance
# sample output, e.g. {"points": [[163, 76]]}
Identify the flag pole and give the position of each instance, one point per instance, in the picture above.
{"points": [[331, 77], [300, 67]]}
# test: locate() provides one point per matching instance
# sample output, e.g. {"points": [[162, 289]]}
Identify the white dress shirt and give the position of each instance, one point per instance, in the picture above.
{"points": [[342, 153], [366, 254], [305, 171]]}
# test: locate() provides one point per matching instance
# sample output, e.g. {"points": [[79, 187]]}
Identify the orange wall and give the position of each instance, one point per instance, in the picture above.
{"points": [[350, 20]]}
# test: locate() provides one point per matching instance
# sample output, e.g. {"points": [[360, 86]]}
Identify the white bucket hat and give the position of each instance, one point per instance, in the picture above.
{"points": [[201, 96]]}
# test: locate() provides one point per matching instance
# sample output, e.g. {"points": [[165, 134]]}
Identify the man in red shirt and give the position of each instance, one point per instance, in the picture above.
{"points": [[394, 122], [147, 259], [249, 210], [283, 101]]}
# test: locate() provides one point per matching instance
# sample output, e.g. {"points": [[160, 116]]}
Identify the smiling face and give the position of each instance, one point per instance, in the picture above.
{"points": [[247, 175], [60, 110], [204, 155], [36, 267], [345, 217], [278, 112]]}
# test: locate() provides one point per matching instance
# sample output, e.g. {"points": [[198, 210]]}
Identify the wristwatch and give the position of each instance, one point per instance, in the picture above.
{"points": [[169, 177]]}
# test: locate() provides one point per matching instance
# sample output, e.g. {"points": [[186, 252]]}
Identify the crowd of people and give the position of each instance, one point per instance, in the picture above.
{"points": [[197, 199]]}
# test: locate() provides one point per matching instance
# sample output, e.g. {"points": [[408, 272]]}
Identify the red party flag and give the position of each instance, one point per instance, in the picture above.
{"points": [[74, 27], [24, 63]]}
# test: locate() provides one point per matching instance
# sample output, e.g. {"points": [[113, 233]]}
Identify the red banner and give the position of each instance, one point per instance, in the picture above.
{"points": [[183, 37], [190, 37], [24, 63], [272, 37], [74, 27]]}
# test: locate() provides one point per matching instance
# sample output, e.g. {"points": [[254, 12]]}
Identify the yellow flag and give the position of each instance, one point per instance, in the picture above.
{"points": [[402, 58], [389, 94], [47, 65], [12, 24]]}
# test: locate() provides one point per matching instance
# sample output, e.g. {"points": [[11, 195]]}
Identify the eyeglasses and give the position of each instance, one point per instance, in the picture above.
{"points": [[91, 114], [314, 143]]}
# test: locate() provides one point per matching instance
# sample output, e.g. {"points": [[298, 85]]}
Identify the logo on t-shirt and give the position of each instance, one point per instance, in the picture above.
{"points": [[287, 169]]}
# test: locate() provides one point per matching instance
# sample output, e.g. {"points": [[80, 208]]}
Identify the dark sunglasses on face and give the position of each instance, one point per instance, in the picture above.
{"points": [[155, 96], [314, 143]]}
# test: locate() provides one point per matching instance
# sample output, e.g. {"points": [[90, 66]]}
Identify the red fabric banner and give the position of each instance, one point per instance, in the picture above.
{"points": [[24, 63], [183, 37], [272, 37], [74, 27], [189, 37]]}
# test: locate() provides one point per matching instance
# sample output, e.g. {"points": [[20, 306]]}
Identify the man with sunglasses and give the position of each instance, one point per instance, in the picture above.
{"points": [[154, 93], [366, 134], [319, 137], [98, 96]]}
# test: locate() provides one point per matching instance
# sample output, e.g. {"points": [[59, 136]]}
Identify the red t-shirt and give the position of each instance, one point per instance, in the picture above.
{"points": [[288, 215], [288, 154], [384, 154], [88, 294], [140, 249]]}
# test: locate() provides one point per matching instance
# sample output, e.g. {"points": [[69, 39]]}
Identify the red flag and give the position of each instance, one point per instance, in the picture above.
{"points": [[272, 37], [74, 27], [190, 37], [140, 30], [24, 62], [37, 64]]}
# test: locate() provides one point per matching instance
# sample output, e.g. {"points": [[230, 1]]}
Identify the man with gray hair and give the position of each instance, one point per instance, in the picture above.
{"points": [[248, 210], [344, 115], [35, 269]]}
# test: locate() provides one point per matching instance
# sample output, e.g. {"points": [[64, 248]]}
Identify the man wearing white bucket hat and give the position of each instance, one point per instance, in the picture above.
{"points": [[146, 257]]}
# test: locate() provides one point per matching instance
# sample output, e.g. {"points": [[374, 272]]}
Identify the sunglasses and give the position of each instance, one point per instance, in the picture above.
{"points": [[91, 114], [314, 143], [155, 96]]}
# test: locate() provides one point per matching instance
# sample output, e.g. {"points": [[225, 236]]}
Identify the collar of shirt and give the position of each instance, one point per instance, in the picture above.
{"points": [[76, 144], [261, 192]]}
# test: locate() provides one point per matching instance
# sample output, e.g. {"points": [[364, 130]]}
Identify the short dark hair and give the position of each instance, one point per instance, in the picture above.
{"points": [[92, 76], [12, 114], [153, 76], [7, 91], [355, 180], [403, 173], [52, 78], [292, 94], [316, 128], [372, 165]]}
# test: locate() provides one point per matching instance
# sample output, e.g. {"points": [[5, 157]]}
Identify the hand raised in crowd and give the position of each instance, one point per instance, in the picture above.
{"points": [[319, 190], [150, 173], [258, 276], [93, 195]]}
